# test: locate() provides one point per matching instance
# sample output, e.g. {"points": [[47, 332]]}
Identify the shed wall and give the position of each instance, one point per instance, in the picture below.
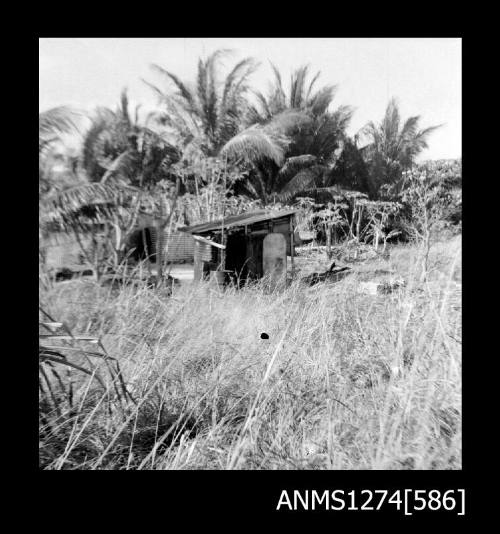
{"points": [[178, 246]]}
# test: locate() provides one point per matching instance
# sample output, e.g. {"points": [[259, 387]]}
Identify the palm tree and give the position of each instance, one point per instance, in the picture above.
{"points": [[118, 145], [121, 158], [300, 96], [206, 119], [54, 122], [393, 145], [211, 111], [308, 134]]}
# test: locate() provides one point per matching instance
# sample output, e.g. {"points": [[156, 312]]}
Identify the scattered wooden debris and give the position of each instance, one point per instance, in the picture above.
{"points": [[68, 274], [334, 274], [119, 280]]}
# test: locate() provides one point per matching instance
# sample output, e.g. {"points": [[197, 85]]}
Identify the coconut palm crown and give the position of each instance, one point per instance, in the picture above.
{"points": [[309, 135], [210, 111], [393, 145]]}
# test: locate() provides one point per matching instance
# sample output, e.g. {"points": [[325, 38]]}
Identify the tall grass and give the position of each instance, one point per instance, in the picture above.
{"points": [[345, 381]]}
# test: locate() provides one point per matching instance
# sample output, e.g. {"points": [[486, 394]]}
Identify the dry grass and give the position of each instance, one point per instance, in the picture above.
{"points": [[345, 381]]}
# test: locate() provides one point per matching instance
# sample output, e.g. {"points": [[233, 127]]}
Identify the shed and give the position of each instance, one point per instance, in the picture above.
{"points": [[235, 243]]}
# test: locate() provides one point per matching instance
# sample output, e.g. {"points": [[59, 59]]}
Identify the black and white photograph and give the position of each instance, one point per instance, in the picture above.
{"points": [[250, 254]]}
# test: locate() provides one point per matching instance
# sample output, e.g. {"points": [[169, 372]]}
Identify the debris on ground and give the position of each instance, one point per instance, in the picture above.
{"points": [[68, 274], [119, 280], [381, 288], [333, 274]]}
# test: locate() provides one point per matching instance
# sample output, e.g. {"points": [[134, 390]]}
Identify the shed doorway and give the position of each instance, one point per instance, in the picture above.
{"points": [[142, 246], [236, 257]]}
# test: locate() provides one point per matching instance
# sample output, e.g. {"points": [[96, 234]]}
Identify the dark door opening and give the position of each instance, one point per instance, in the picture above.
{"points": [[236, 256], [141, 245]]}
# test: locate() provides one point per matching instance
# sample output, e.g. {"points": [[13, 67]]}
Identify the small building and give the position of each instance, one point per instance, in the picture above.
{"points": [[236, 243], [61, 249]]}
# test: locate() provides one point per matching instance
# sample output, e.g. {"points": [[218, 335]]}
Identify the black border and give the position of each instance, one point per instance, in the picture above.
{"points": [[252, 495]]}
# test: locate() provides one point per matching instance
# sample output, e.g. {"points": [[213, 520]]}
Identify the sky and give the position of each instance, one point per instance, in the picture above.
{"points": [[424, 74]]}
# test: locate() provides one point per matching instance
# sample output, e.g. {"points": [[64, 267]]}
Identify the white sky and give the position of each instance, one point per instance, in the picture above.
{"points": [[425, 74]]}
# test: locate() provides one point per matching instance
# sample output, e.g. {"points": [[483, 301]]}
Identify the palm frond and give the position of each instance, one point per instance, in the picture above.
{"points": [[409, 127], [418, 142], [120, 166], [266, 112], [240, 72], [320, 102], [94, 141], [305, 179], [277, 75], [294, 164], [61, 206], [57, 120], [424, 134], [54, 122], [44, 145], [159, 93], [297, 85], [289, 121], [124, 113], [342, 116], [390, 123], [253, 145], [183, 90], [253, 116], [311, 85]]}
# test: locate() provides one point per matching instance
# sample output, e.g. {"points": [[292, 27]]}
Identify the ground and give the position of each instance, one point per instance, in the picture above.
{"points": [[346, 380]]}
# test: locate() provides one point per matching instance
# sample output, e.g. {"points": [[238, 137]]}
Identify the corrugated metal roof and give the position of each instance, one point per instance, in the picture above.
{"points": [[243, 219]]}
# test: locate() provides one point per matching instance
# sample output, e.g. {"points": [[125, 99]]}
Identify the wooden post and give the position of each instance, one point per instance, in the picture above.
{"points": [[223, 251], [161, 225], [198, 262], [159, 243], [328, 239], [223, 237], [358, 225], [249, 254]]}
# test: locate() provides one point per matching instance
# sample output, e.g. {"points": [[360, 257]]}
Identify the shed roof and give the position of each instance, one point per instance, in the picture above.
{"points": [[244, 219]]}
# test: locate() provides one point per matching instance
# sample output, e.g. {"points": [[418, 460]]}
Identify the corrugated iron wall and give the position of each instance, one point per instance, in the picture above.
{"points": [[62, 250], [178, 246]]}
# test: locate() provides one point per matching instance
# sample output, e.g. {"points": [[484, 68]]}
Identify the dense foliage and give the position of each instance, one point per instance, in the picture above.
{"points": [[215, 147]]}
